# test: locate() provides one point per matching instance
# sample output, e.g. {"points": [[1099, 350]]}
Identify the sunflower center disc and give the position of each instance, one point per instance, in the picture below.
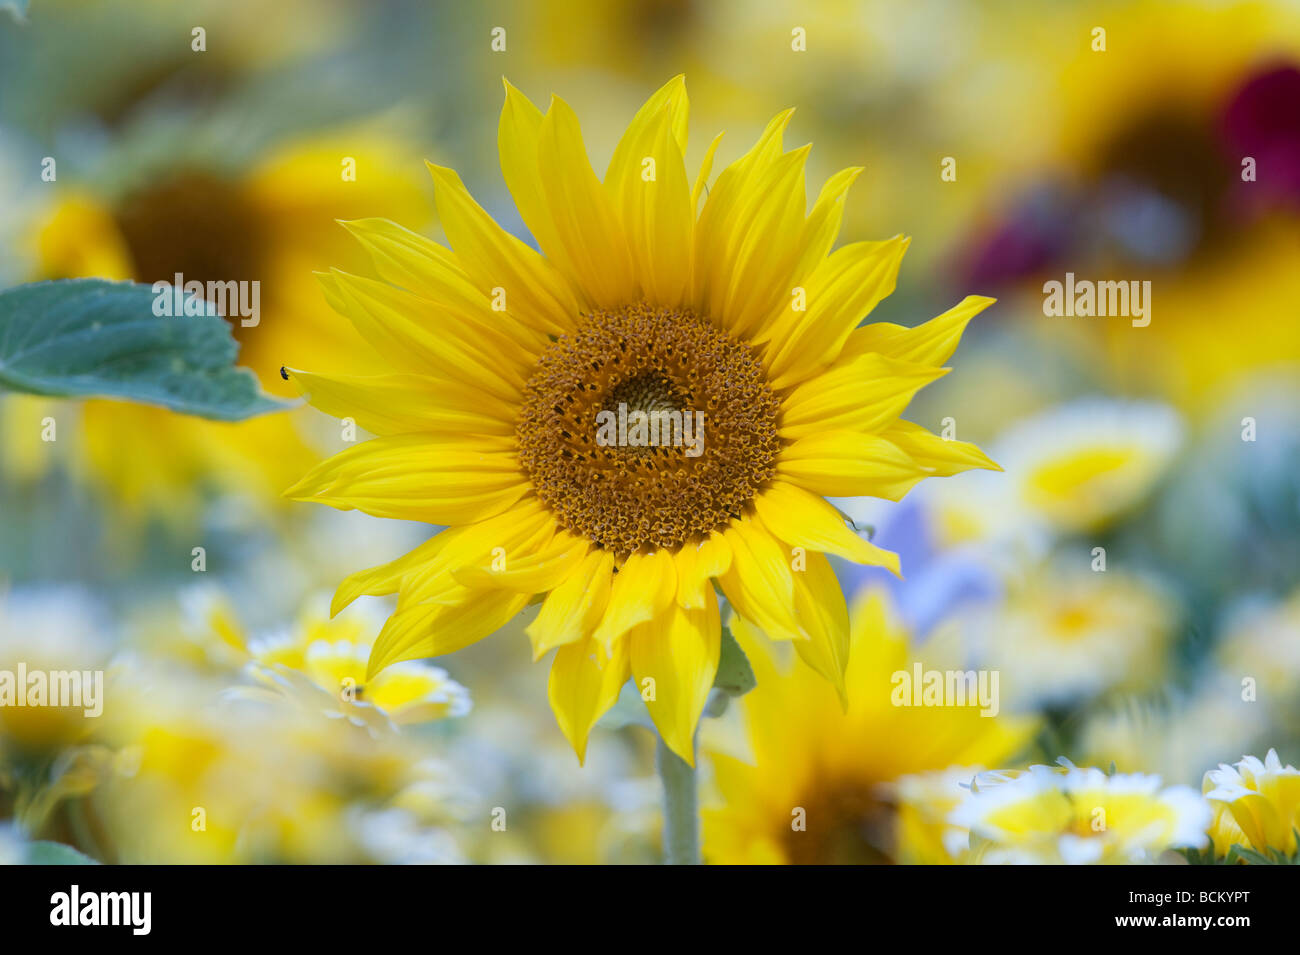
{"points": [[647, 428]]}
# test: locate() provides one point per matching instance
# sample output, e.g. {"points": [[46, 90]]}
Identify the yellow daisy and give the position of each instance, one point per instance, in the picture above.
{"points": [[1256, 804], [738, 325], [1063, 635], [321, 663], [1075, 816], [830, 787]]}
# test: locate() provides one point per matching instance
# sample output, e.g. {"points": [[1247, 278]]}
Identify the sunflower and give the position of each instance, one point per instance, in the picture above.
{"points": [[507, 364], [1143, 151], [266, 224], [826, 786]]}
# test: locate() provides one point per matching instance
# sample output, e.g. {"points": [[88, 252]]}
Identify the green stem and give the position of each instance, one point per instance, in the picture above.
{"points": [[681, 808]]}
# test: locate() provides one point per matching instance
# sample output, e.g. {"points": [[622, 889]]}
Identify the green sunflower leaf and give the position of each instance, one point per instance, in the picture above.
{"points": [[91, 337], [735, 675], [55, 853]]}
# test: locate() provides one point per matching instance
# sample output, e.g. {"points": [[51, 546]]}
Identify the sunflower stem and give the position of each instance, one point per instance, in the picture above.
{"points": [[681, 807]]}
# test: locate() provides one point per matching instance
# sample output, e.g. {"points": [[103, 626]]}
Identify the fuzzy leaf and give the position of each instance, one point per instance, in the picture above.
{"points": [[84, 337]]}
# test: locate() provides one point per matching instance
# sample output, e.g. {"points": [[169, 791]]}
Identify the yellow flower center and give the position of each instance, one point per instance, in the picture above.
{"points": [[647, 428]]}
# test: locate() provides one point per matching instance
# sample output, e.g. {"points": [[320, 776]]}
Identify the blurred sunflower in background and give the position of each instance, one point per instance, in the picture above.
{"points": [[1172, 159], [824, 785], [268, 226], [742, 319]]}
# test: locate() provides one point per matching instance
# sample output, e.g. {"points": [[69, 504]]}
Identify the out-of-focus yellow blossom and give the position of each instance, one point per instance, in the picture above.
{"points": [[213, 778], [271, 224], [1073, 468], [1074, 816], [321, 662], [1063, 635], [1256, 804], [1187, 355], [1142, 179], [49, 632], [1080, 466], [57, 681], [822, 789]]}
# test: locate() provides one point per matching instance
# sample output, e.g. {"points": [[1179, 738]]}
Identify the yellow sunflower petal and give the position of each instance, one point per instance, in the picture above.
{"points": [[674, 660], [818, 235], [735, 192], [697, 564], [400, 404], [824, 615], [520, 530], [517, 143], [863, 394], [430, 630], [758, 583], [671, 96], [943, 458], [823, 225], [702, 178], [413, 477], [594, 247], [572, 610], [805, 520], [585, 680], [756, 268], [647, 186], [420, 265], [386, 578], [930, 343], [405, 328], [531, 573], [494, 259], [844, 288], [848, 464], [643, 587]]}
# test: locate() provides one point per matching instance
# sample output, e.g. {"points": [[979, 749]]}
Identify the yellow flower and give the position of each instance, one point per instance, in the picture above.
{"points": [[508, 366], [1062, 635], [208, 777], [1079, 466], [270, 225], [1076, 816], [1256, 804], [53, 649], [825, 787], [321, 662], [1145, 134]]}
